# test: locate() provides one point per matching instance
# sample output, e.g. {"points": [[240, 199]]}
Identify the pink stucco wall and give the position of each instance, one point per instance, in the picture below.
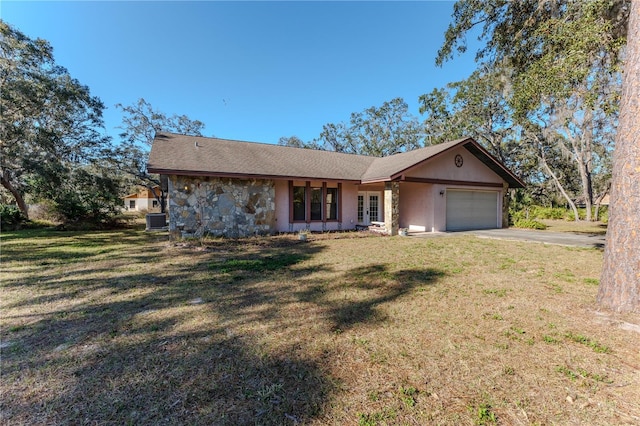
{"points": [[416, 206], [349, 209], [443, 167], [282, 206], [422, 207], [439, 209]]}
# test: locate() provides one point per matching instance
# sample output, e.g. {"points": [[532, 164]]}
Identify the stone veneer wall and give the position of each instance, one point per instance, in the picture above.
{"points": [[391, 207], [220, 207]]}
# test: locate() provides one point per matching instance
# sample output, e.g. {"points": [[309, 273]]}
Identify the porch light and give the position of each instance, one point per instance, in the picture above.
{"points": [[442, 192]]}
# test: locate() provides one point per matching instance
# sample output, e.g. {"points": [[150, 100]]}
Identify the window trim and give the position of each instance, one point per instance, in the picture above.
{"points": [[307, 198]]}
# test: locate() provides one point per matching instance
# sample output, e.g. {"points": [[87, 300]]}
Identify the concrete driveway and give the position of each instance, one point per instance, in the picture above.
{"points": [[546, 237]]}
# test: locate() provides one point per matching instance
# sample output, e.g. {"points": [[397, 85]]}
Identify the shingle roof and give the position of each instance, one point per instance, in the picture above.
{"points": [[188, 154], [193, 155]]}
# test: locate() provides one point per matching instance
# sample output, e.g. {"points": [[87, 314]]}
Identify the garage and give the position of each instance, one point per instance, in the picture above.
{"points": [[468, 209]]}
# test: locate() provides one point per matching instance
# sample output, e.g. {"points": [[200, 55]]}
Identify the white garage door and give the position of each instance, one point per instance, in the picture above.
{"points": [[471, 210]]}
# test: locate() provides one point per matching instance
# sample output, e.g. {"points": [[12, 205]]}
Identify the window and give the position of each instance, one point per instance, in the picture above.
{"points": [[332, 204], [314, 204], [299, 203], [132, 204], [373, 208]]}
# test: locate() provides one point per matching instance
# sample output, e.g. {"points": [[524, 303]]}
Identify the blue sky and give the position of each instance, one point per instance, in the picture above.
{"points": [[251, 71]]}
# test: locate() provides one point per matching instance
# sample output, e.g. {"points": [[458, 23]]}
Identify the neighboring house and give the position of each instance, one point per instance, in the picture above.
{"points": [[232, 188], [143, 200]]}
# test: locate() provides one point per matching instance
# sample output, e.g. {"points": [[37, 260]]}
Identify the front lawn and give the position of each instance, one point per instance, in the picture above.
{"points": [[122, 327], [582, 227]]}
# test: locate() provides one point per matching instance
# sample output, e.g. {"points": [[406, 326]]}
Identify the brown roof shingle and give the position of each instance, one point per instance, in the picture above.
{"points": [[194, 155], [188, 154]]}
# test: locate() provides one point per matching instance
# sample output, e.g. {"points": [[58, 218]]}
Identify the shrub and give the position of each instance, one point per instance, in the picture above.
{"points": [[539, 212], [533, 212], [515, 215], [529, 224], [11, 217], [81, 199]]}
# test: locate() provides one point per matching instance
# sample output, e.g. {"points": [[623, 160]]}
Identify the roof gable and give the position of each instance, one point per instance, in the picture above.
{"points": [[388, 168], [193, 155], [395, 166]]}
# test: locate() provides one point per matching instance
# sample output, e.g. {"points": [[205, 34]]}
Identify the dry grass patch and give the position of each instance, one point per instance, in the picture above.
{"points": [[581, 227], [122, 327]]}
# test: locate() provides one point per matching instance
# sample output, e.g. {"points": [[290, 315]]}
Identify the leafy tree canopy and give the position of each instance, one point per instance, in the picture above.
{"points": [[560, 62], [550, 47], [50, 123], [377, 131], [140, 124]]}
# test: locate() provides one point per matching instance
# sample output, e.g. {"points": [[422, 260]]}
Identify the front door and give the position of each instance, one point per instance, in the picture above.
{"points": [[368, 207]]}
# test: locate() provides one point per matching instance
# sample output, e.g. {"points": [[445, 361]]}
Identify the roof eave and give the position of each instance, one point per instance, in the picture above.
{"points": [[379, 180], [245, 175]]}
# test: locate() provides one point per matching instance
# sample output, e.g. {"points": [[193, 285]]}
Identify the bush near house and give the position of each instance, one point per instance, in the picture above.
{"points": [[554, 213], [529, 224], [11, 218]]}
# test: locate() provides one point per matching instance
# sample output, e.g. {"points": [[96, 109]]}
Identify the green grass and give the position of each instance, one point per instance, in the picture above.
{"points": [[122, 327], [578, 338]]}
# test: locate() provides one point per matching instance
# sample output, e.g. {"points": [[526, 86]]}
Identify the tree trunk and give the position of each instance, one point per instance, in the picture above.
{"points": [[599, 201], [18, 197], [620, 282], [587, 190], [560, 188]]}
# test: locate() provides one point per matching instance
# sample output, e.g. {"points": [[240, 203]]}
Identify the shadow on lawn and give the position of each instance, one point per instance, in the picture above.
{"points": [[193, 345], [42, 248], [371, 286]]}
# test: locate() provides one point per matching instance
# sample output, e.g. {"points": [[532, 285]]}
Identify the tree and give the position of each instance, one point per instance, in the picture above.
{"points": [[50, 123], [476, 107], [82, 194], [620, 282], [292, 141], [552, 160], [377, 131], [479, 107], [563, 58], [140, 125], [296, 142]]}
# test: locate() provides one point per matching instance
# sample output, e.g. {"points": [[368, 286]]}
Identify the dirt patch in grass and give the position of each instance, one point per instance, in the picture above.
{"points": [[123, 327]]}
